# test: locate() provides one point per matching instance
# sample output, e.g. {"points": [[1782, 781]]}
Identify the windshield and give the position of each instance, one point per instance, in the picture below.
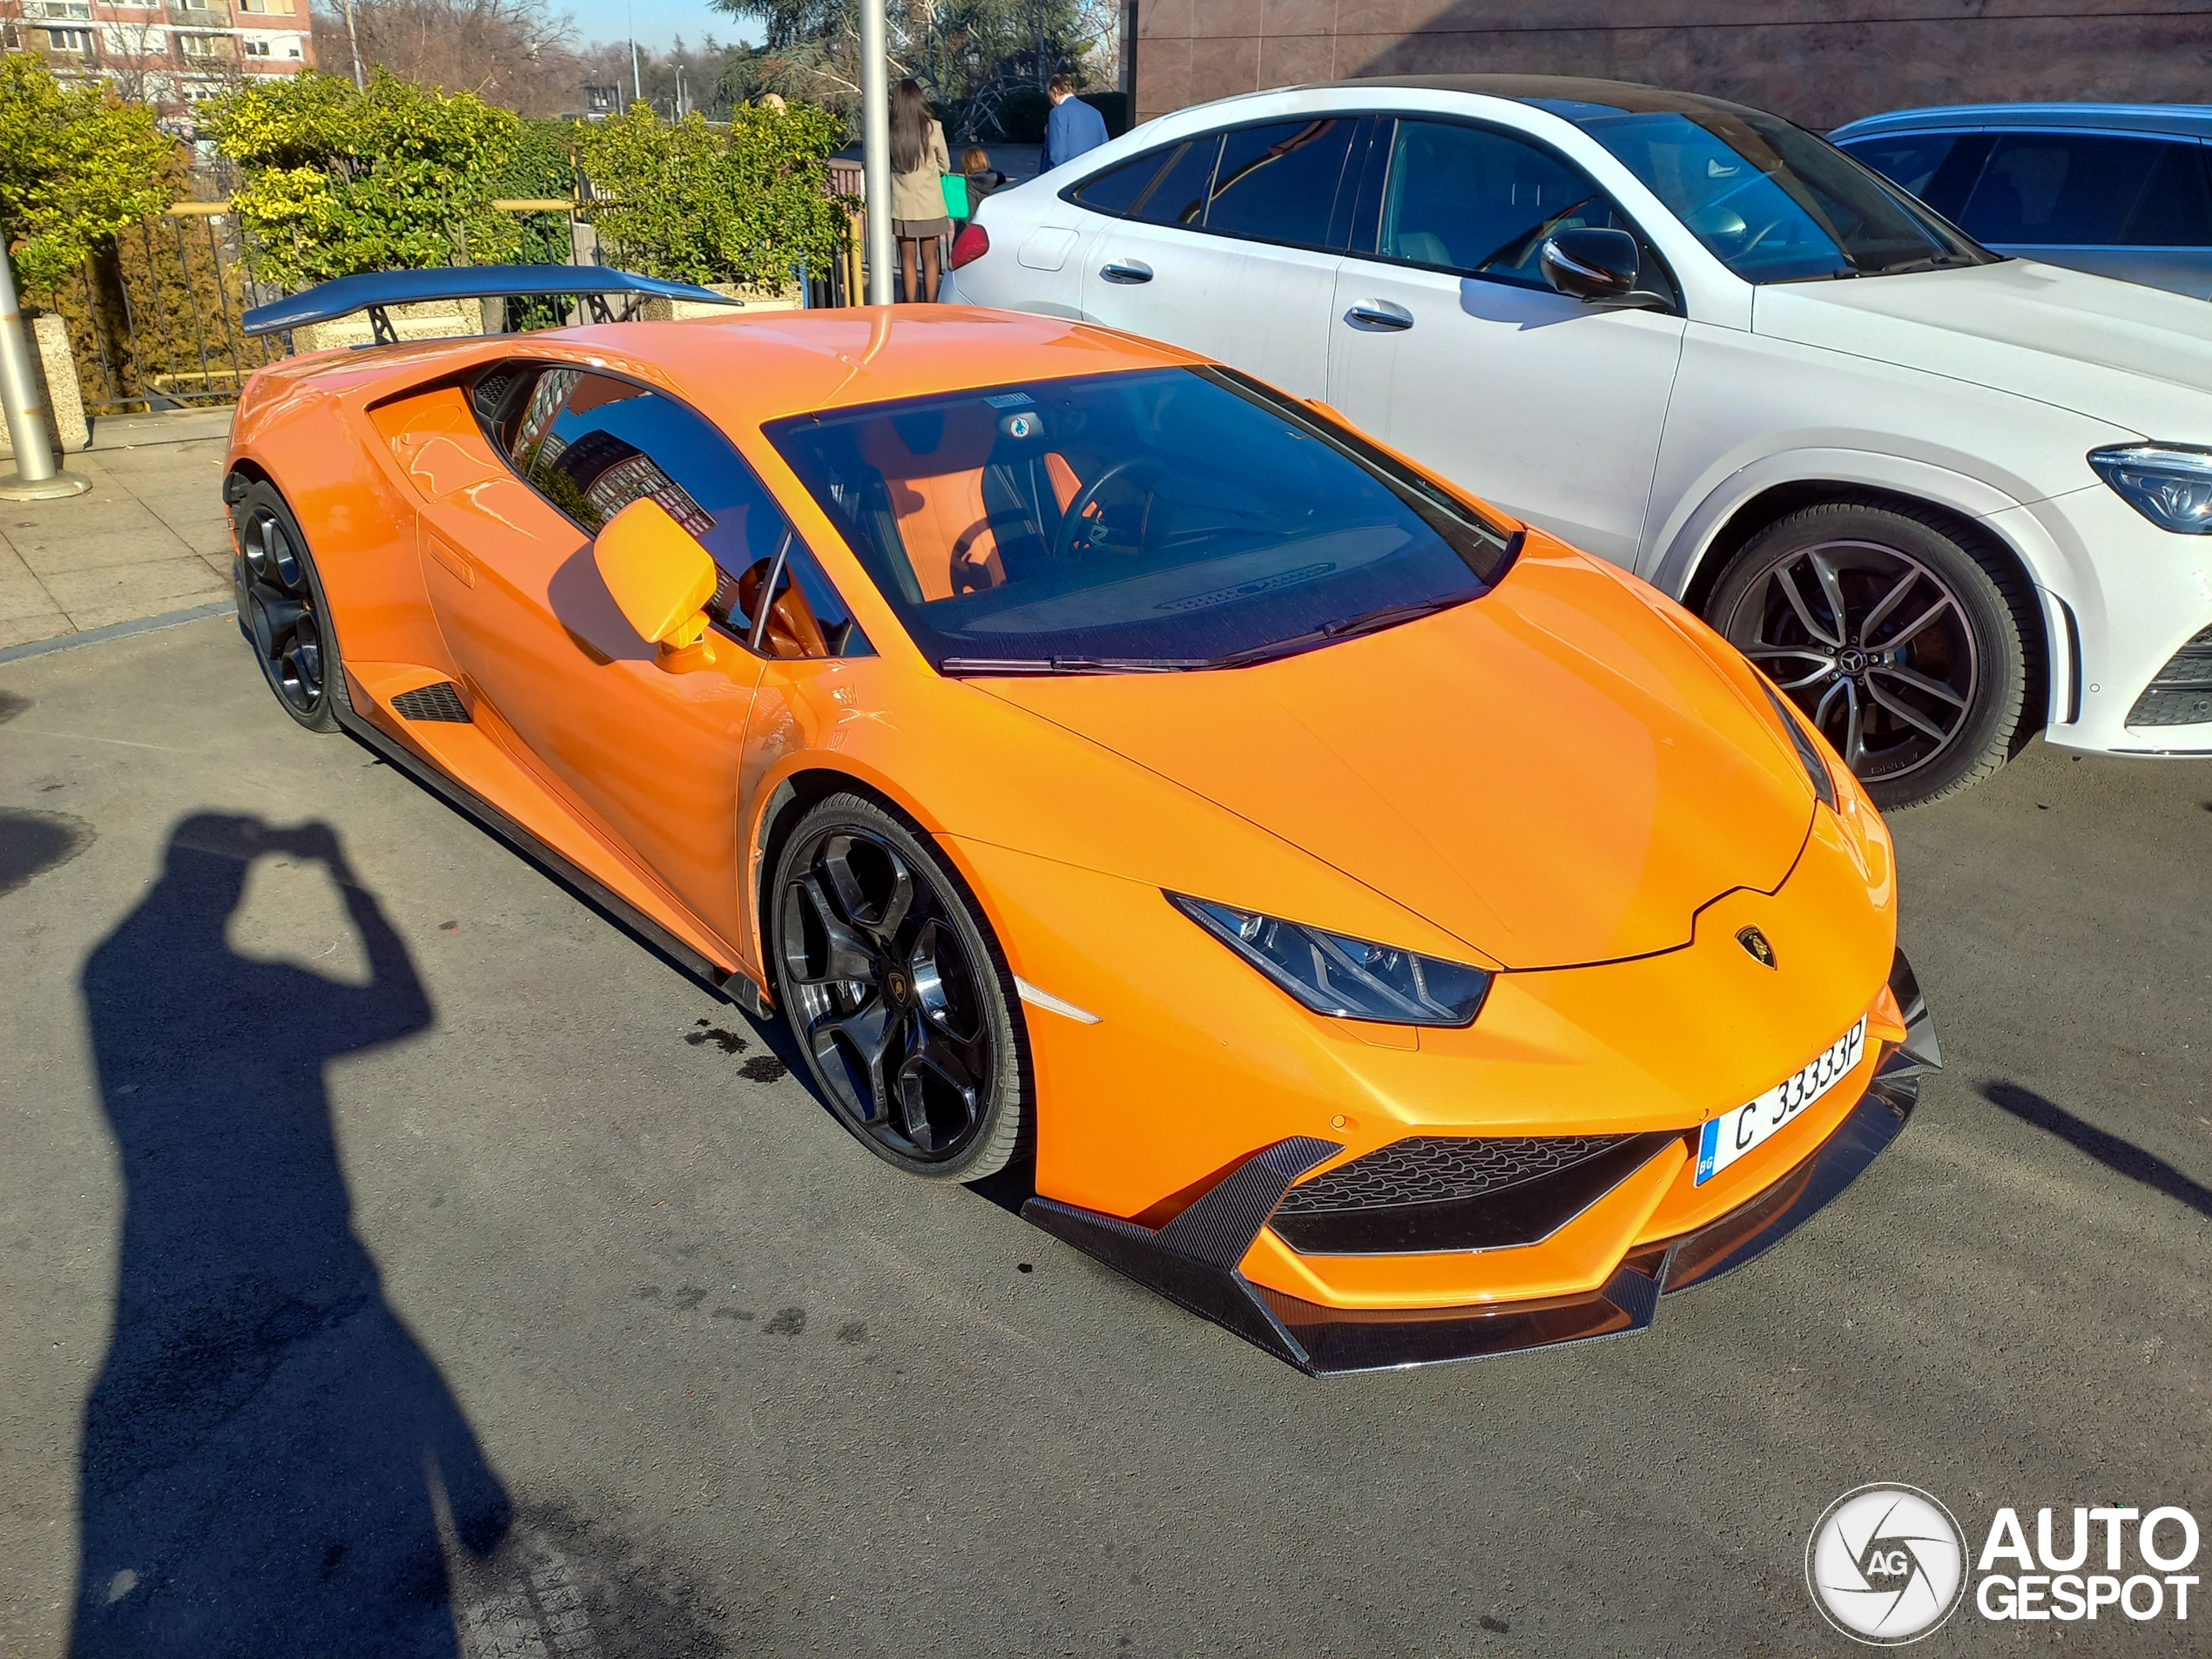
{"points": [[1156, 519], [1773, 202]]}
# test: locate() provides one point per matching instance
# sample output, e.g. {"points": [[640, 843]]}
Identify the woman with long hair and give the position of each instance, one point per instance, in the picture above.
{"points": [[919, 165]]}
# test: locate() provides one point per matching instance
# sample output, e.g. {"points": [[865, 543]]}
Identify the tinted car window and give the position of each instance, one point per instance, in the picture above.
{"points": [[797, 612], [591, 444], [1178, 195], [1170, 519], [2080, 190], [1907, 159], [1118, 190], [1280, 182], [1470, 199], [1938, 167]]}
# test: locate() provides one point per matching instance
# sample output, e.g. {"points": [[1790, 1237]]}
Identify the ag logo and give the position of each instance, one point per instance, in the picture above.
{"points": [[1886, 1564]]}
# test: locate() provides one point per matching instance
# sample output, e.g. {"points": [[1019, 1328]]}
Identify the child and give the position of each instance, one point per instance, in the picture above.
{"points": [[982, 178]]}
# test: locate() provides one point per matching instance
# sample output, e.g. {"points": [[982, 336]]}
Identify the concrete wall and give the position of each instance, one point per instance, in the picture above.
{"points": [[1821, 65]]}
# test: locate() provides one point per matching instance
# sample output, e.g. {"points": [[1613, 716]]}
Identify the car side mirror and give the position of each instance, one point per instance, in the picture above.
{"points": [[1590, 265], [661, 579]]}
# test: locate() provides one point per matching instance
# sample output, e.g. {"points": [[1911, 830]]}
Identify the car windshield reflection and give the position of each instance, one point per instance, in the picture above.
{"points": [[1159, 519], [1771, 201]]}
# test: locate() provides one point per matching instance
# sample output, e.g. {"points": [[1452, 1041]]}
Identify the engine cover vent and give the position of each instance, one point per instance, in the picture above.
{"points": [[439, 702]]}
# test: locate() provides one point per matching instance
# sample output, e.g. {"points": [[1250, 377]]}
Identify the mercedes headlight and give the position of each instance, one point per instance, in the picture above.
{"points": [[2169, 484], [1351, 979]]}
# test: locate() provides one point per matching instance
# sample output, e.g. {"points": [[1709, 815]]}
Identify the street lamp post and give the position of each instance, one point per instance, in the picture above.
{"points": [[875, 147], [37, 477]]}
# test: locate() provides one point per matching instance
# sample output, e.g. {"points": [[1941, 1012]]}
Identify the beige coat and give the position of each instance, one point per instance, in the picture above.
{"points": [[918, 194]]}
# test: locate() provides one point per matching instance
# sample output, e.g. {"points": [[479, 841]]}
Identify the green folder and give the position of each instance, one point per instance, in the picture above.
{"points": [[955, 194]]}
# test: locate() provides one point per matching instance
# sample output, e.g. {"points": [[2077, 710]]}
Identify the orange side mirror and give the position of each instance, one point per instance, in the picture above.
{"points": [[661, 578]]}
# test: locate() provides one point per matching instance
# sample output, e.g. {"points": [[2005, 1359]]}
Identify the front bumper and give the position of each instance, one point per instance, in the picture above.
{"points": [[2120, 598], [1196, 1259]]}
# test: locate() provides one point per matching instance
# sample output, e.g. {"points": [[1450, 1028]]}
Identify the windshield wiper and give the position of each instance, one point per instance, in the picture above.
{"points": [[1932, 262], [1368, 623], [1327, 634], [960, 665]]}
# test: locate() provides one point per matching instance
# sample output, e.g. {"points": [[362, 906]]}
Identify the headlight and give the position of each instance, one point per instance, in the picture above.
{"points": [[2169, 484], [1348, 978], [1816, 765]]}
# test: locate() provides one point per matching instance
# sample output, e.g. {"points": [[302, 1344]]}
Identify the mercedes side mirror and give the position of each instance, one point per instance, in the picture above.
{"points": [[661, 579], [1590, 265]]}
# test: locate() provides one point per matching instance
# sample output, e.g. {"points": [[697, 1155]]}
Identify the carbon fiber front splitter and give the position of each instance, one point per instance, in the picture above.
{"points": [[1193, 1259]]}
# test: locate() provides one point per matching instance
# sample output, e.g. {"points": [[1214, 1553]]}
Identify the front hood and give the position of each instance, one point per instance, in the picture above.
{"points": [[1556, 773], [2139, 358]]}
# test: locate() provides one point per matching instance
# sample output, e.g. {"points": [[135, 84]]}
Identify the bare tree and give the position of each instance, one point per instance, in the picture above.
{"points": [[516, 53], [139, 66]]}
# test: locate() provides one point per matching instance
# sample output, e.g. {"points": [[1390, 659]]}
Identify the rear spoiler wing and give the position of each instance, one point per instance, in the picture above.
{"points": [[374, 291]]}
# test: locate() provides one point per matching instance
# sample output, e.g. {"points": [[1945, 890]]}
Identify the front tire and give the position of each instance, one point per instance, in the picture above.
{"points": [[281, 609], [1902, 640], [896, 992]]}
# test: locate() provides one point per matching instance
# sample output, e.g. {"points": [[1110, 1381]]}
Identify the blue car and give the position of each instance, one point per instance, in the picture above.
{"points": [[2123, 190]]}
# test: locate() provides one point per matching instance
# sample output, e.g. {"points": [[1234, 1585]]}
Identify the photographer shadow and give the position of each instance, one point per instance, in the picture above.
{"points": [[269, 1459]]}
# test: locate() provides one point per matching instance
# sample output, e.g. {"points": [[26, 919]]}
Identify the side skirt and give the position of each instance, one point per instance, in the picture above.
{"points": [[733, 987]]}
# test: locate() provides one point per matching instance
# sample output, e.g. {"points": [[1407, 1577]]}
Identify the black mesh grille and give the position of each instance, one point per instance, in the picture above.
{"points": [[439, 702], [1434, 1169], [2181, 693]]}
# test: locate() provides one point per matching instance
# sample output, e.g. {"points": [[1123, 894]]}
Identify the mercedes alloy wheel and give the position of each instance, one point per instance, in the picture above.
{"points": [[1898, 641]]}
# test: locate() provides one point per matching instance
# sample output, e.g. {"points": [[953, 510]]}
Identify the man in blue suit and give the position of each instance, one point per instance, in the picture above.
{"points": [[1073, 127]]}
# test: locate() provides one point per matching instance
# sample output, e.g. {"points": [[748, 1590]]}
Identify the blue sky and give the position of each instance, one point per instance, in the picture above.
{"points": [[658, 22]]}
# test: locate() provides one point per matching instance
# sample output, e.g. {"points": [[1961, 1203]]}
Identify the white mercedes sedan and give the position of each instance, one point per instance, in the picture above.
{"points": [[1946, 500]]}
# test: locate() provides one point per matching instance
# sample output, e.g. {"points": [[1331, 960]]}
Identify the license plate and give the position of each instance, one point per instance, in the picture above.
{"points": [[1728, 1137]]}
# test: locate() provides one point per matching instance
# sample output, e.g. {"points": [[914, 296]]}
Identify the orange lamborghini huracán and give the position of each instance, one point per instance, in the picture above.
{"points": [[1391, 933]]}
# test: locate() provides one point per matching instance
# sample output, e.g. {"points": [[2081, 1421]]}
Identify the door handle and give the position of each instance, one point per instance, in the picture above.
{"points": [[1126, 271], [1379, 313]]}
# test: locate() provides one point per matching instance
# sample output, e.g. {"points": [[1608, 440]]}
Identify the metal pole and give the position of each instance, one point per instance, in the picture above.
{"points": [[637, 77], [37, 477], [354, 41], [875, 148]]}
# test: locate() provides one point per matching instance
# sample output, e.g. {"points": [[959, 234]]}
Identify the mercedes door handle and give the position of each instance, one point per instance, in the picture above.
{"points": [[1379, 313], [1126, 271]]}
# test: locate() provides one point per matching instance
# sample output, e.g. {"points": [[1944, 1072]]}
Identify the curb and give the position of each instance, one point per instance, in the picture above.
{"points": [[117, 630]]}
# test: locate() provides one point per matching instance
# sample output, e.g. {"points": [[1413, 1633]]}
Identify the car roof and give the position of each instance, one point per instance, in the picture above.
{"points": [[2191, 120], [1551, 91]]}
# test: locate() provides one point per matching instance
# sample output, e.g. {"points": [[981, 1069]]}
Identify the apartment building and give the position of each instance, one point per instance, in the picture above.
{"points": [[170, 53]]}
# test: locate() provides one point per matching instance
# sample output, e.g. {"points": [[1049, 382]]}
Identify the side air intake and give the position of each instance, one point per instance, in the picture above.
{"points": [[439, 702]]}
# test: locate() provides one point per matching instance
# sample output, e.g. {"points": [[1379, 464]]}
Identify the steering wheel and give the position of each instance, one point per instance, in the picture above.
{"points": [[1063, 539]]}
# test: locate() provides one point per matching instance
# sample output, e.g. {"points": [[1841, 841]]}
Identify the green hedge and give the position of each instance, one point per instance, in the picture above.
{"points": [[76, 165], [337, 181], [741, 203]]}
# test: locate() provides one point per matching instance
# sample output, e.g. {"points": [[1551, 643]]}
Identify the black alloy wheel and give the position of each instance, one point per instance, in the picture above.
{"points": [[898, 999], [1901, 644], [280, 610]]}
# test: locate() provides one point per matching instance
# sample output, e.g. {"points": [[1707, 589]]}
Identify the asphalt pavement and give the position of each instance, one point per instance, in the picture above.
{"points": [[399, 1258]]}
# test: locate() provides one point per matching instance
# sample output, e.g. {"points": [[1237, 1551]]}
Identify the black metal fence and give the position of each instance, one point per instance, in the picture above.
{"points": [[155, 320]]}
